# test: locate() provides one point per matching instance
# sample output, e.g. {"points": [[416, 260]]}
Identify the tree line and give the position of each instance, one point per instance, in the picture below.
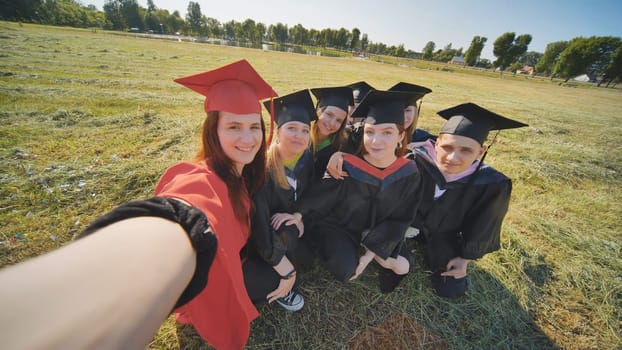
{"points": [[596, 56]]}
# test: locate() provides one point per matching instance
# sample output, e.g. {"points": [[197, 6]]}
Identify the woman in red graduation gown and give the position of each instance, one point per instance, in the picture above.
{"points": [[228, 168]]}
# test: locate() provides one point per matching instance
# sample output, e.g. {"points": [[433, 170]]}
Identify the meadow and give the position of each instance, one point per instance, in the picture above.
{"points": [[89, 120]]}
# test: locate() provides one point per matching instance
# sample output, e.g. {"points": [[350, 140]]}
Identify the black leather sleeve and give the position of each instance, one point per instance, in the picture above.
{"points": [[191, 219]]}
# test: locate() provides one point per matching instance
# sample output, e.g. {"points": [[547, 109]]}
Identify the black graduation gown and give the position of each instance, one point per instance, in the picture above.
{"points": [[320, 161], [271, 245], [372, 207], [420, 135], [466, 219], [353, 139]]}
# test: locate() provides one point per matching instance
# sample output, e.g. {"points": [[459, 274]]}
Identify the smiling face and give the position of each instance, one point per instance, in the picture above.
{"points": [[240, 137], [410, 116], [380, 142], [454, 154], [330, 120], [293, 139]]}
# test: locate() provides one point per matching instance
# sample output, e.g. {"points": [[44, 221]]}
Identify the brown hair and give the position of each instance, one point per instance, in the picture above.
{"points": [[338, 136], [399, 151], [410, 131], [253, 174]]}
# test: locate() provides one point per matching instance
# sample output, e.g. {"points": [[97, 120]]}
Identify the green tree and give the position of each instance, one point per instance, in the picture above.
{"points": [[260, 31], [613, 73], [549, 59], [428, 50], [507, 48], [298, 34], [604, 48], [21, 10], [229, 29], [364, 42], [475, 50], [586, 55], [194, 17], [151, 7], [356, 34], [530, 58], [112, 11], [342, 38], [446, 54], [248, 31], [131, 14], [314, 37], [214, 29], [278, 33]]}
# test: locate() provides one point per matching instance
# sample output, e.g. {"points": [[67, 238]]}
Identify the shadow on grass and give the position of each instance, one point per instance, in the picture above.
{"points": [[357, 316]]}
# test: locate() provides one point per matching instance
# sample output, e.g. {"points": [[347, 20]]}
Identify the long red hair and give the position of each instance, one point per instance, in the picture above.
{"points": [[253, 174]]}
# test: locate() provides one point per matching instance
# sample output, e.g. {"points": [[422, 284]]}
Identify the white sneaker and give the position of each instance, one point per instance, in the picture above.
{"points": [[292, 301], [411, 232]]}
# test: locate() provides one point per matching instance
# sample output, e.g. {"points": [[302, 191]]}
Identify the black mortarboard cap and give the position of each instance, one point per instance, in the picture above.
{"points": [[418, 89], [380, 107], [360, 90], [340, 96], [297, 106], [473, 121]]}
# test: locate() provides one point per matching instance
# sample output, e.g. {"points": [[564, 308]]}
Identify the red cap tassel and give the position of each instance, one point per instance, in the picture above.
{"points": [[271, 121]]}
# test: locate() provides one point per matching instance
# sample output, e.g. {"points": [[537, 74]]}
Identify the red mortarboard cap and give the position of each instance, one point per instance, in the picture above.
{"points": [[235, 88]]}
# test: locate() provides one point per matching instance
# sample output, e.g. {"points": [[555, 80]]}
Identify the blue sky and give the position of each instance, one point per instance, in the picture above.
{"points": [[415, 22]]}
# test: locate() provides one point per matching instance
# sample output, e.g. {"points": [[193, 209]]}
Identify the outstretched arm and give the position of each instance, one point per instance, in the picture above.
{"points": [[108, 290]]}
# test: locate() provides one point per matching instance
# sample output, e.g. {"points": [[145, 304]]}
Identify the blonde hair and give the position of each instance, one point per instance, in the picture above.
{"points": [[275, 169]]}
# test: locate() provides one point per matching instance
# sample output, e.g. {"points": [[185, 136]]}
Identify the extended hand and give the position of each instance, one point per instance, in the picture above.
{"points": [[285, 285], [456, 267], [335, 166], [288, 219], [364, 260]]}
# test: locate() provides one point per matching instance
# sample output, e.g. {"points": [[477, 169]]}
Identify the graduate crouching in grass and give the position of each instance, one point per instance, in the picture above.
{"points": [[180, 251], [228, 169], [364, 217], [464, 200], [276, 254]]}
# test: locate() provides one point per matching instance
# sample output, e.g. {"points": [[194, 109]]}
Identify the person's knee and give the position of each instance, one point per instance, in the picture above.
{"points": [[448, 287], [341, 270]]}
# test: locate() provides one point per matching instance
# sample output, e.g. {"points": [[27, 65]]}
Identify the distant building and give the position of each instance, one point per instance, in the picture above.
{"points": [[588, 78], [457, 60], [529, 70]]}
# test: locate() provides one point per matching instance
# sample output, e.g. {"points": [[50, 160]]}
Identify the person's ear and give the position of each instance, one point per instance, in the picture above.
{"points": [[482, 150]]}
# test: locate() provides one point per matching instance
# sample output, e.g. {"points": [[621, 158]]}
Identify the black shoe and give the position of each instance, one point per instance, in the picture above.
{"points": [[389, 280], [448, 287], [292, 301]]}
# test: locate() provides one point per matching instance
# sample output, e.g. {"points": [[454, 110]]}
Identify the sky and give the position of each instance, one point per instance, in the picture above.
{"points": [[416, 22]]}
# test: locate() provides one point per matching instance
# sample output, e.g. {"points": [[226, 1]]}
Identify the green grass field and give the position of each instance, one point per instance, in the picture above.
{"points": [[91, 119]]}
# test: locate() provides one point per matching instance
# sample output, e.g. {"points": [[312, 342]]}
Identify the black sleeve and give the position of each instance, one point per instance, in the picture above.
{"points": [[482, 229], [387, 237], [319, 199], [264, 239], [191, 219]]}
